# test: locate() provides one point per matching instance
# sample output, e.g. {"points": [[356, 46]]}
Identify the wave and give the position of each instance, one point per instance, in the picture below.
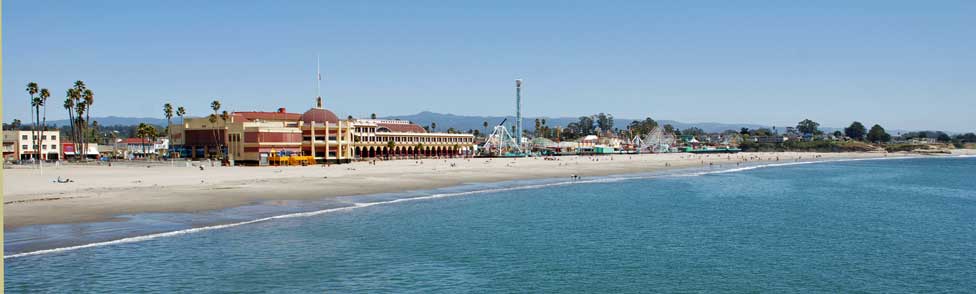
{"points": [[354, 205]]}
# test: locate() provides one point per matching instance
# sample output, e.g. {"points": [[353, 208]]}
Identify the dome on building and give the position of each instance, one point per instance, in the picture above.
{"points": [[319, 115]]}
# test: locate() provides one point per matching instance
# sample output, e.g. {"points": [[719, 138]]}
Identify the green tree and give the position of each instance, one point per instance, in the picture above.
{"points": [[877, 134], [604, 121], [585, 126], [807, 126], [856, 131], [669, 129], [763, 132]]}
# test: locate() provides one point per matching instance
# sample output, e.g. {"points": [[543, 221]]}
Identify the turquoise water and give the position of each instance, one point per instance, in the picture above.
{"points": [[881, 226]]}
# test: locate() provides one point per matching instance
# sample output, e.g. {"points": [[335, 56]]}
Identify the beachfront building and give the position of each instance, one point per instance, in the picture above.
{"points": [[22, 145], [403, 139], [143, 147], [254, 137], [71, 150]]}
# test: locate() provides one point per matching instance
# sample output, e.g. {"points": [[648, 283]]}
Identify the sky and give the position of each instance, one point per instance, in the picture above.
{"points": [[901, 64]]}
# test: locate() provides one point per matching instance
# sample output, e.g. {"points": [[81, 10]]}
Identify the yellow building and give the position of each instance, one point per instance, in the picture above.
{"points": [[257, 137]]}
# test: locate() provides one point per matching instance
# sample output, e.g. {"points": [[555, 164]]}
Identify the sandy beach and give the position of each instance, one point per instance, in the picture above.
{"points": [[100, 193]]}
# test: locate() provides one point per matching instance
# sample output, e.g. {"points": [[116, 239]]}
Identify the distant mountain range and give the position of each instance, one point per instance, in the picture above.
{"points": [[114, 120], [463, 122], [472, 122]]}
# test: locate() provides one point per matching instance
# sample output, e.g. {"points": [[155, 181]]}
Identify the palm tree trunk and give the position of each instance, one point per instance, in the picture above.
{"points": [[87, 121], [214, 131], [169, 136], [33, 140], [44, 124], [71, 121], [37, 110]]}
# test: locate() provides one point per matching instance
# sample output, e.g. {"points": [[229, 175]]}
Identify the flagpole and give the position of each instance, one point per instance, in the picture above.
{"points": [[318, 76]]}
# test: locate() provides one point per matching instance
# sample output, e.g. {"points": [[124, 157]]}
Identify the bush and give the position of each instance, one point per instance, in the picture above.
{"points": [[809, 146]]}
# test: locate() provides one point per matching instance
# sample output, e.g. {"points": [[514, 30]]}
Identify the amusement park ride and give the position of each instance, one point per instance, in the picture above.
{"points": [[656, 141], [501, 143]]}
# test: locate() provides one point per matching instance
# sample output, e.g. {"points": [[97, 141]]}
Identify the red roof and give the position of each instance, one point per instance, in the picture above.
{"points": [[319, 115], [266, 116], [402, 128]]}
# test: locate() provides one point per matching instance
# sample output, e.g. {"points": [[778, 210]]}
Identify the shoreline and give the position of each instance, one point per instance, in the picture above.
{"points": [[49, 238], [102, 193]]}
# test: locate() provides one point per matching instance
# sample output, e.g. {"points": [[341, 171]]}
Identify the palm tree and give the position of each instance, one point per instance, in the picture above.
{"points": [[213, 122], [69, 105], [32, 90], [372, 116], [433, 126], [168, 112], [180, 111], [44, 94], [152, 133], [36, 104], [484, 126], [89, 98], [389, 148], [141, 133], [224, 116], [215, 105], [80, 108], [74, 95]]}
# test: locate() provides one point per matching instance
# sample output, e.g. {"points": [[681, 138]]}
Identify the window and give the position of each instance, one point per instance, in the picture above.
{"points": [[44, 147], [43, 137], [23, 147], [54, 137], [23, 137], [54, 147]]}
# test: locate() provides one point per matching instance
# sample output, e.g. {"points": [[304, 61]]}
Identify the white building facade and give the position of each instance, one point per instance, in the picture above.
{"points": [[22, 145]]}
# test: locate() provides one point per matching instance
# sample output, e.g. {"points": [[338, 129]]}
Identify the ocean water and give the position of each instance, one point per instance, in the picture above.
{"points": [[874, 226]]}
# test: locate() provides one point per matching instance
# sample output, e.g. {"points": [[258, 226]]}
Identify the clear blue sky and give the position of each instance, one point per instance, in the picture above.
{"points": [[903, 64]]}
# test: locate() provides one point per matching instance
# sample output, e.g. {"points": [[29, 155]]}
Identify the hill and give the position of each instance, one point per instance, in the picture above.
{"points": [[464, 122], [116, 120]]}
